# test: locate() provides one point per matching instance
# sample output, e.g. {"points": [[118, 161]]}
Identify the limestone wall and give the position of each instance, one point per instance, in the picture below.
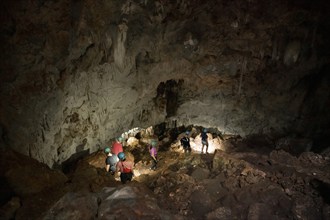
{"points": [[75, 74]]}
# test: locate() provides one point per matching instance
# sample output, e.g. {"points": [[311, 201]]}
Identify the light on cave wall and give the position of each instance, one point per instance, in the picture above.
{"points": [[214, 144], [196, 145], [131, 133]]}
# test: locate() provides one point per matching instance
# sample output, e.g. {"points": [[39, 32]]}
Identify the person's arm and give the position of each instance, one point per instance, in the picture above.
{"points": [[118, 167], [152, 153], [107, 167]]}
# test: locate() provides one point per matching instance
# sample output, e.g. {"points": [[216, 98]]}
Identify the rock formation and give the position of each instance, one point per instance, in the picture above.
{"points": [[76, 74]]}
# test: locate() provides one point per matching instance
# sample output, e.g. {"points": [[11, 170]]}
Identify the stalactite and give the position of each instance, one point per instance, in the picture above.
{"points": [[119, 50], [243, 70]]}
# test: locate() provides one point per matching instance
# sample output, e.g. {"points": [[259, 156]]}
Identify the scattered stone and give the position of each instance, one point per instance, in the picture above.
{"points": [[223, 213], [200, 173]]}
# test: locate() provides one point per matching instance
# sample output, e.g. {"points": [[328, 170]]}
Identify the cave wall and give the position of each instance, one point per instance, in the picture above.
{"points": [[76, 73]]}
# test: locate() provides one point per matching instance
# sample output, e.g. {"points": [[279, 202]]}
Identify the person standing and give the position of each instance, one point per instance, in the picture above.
{"points": [[110, 161], [125, 167], [153, 154], [185, 142], [117, 146], [205, 141]]}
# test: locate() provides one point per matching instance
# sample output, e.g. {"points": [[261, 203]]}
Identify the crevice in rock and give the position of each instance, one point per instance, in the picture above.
{"points": [[323, 188], [167, 96]]}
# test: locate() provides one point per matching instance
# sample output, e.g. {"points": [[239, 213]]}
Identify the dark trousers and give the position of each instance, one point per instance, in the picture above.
{"points": [[187, 148], [154, 164], [124, 177]]}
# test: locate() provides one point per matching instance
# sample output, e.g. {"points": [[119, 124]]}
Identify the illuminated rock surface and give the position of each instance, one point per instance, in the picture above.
{"points": [[76, 74]]}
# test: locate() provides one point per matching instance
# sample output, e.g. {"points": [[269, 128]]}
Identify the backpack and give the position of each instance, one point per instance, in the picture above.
{"points": [[126, 169]]}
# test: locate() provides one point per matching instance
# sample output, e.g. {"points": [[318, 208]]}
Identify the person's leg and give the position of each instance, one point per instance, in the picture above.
{"points": [[123, 178], [154, 164], [129, 176], [207, 147]]}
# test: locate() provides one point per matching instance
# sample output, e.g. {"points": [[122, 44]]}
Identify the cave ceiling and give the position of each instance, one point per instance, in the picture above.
{"points": [[75, 74]]}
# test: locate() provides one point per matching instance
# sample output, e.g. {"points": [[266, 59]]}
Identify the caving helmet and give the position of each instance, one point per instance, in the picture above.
{"points": [[119, 139], [121, 156], [154, 143], [187, 132], [107, 150], [205, 130]]}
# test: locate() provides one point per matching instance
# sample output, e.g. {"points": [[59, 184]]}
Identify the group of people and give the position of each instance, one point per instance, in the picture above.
{"points": [[185, 142], [116, 159]]}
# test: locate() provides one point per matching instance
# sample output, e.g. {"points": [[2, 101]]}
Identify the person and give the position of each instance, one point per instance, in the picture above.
{"points": [[185, 143], [125, 167], [204, 140], [110, 161], [153, 154], [117, 147]]}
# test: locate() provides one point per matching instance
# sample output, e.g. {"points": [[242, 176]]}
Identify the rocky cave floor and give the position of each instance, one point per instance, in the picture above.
{"points": [[242, 179]]}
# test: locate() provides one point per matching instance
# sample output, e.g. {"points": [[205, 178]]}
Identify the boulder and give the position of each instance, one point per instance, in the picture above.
{"points": [[30, 180], [130, 202], [75, 206], [26, 176]]}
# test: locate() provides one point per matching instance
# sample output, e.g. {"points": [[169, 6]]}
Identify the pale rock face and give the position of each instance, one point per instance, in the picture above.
{"points": [[73, 83]]}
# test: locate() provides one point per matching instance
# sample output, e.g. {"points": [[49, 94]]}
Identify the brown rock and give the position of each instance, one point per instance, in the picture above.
{"points": [[30, 180], [74, 206], [9, 209]]}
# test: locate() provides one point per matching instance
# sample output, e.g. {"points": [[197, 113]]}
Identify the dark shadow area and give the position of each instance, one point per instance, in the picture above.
{"points": [[70, 164], [5, 191], [323, 188]]}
